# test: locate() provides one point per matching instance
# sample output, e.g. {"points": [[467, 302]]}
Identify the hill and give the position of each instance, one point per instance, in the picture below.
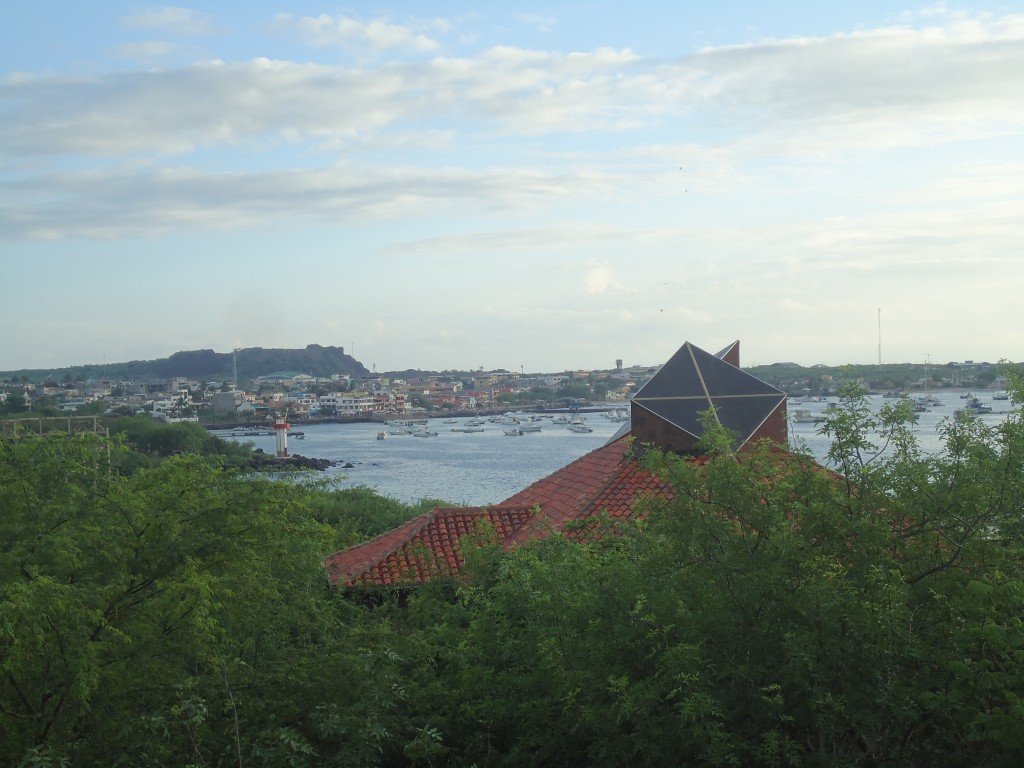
{"points": [[205, 364]]}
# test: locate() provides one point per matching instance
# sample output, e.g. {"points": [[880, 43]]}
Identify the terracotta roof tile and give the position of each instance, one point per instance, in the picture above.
{"points": [[424, 548], [605, 480]]}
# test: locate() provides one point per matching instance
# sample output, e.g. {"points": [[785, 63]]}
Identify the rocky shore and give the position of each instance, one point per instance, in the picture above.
{"points": [[264, 462]]}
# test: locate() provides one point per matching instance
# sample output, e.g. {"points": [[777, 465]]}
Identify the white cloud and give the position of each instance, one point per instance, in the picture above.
{"points": [[379, 34], [799, 104], [886, 88], [538, 22], [599, 279], [173, 20]]}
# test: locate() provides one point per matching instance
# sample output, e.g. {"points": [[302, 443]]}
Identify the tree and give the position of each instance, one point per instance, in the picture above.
{"points": [[14, 403], [770, 612], [129, 601]]}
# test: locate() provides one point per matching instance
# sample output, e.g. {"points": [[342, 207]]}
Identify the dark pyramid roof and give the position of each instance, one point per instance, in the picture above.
{"points": [[731, 354], [667, 410]]}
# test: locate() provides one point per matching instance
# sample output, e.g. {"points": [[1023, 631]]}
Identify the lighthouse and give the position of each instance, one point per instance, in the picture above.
{"points": [[281, 426]]}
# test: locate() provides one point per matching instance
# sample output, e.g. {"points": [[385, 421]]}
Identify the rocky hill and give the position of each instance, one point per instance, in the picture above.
{"points": [[205, 364]]}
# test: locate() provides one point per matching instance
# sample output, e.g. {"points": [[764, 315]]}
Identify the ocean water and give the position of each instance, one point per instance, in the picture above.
{"points": [[476, 468], [928, 428], [488, 467]]}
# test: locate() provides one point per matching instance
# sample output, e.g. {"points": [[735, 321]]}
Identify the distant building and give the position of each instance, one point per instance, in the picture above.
{"points": [[226, 403], [286, 378]]}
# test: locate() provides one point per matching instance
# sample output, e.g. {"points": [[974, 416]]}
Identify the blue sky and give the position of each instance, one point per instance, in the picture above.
{"points": [[511, 186]]}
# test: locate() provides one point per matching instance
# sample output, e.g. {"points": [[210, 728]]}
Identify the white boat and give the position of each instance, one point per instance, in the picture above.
{"points": [[560, 419], [467, 429], [424, 433], [580, 428], [382, 435], [529, 427], [803, 416], [513, 432]]}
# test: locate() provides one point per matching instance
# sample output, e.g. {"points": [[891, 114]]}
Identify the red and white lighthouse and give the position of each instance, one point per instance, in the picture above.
{"points": [[281, 427]]}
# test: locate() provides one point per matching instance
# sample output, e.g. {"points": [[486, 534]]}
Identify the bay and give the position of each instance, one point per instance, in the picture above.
{"points": [[487, 467], [475, 469], [928, 429]]}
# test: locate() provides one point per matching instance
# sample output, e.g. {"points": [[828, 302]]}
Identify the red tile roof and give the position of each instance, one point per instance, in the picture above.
{"points": [[424, 548], [606, 480]]}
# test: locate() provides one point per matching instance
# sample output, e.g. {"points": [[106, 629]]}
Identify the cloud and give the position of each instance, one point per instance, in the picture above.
{"points": [[145, 51], [892, 88], [616, 127], [538, 22], [172, 20], [599, 279], [109, 204], [378, 35]]}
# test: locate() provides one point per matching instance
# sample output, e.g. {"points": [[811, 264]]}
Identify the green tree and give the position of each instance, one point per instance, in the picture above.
{"points": [[133, 603], [771, 612], [14, 403]]}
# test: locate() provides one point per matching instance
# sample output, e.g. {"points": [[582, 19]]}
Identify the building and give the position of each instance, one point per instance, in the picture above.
{"points": [[226, 403], [353, 404], [666, 413]]}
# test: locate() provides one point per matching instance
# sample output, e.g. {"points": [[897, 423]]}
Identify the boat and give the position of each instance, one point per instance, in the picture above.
{"points": [[1000, 396], [580, 428], [424, 433], [382, 435], [975, 405], [803, 416], [529, 427], [450, 421], [467, 429], [513, 432], [560, 419]]}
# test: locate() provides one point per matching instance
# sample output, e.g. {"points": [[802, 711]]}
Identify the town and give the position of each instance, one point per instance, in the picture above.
{"points": [[306, 397]]}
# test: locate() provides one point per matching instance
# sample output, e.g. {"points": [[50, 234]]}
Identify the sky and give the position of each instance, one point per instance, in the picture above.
{"points": [[460, 185]]}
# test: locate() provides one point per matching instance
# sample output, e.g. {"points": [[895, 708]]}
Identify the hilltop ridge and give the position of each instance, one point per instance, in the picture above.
{"points": [[314, 359]]}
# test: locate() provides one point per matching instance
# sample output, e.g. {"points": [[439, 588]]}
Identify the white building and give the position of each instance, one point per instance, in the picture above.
{"points": [[347, 404]]}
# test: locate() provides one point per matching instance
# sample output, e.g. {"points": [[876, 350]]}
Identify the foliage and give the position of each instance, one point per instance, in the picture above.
{"points": [[770, 612], [361, 513], [160, 440], [14, 403], [176, 615]]}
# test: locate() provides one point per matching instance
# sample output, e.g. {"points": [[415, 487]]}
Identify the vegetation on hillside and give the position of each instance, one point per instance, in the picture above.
{"points": [[175, 611], [205, 364]]}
